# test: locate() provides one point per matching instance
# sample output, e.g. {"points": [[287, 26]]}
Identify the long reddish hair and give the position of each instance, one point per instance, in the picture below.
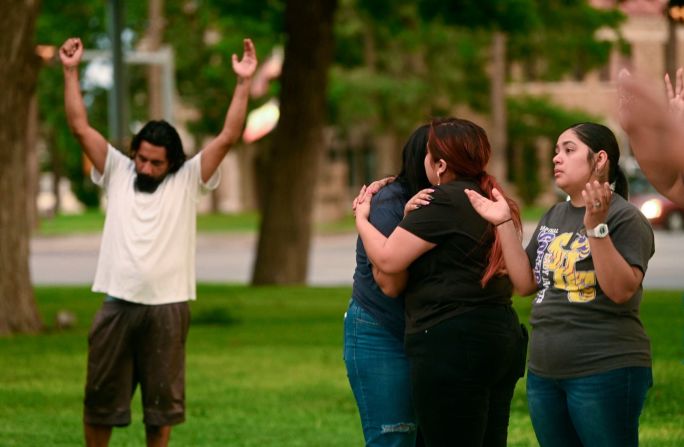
{"points": [[465, 148]]}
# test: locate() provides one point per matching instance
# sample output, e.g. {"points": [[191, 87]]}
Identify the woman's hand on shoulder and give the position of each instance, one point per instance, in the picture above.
{"points": [[422, 198], [379, 184], [361, 204], [366, 193], [370, 190], [494, 211]]}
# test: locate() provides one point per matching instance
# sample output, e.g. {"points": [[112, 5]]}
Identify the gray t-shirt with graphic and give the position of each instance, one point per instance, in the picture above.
{"points": [[576, 329]]}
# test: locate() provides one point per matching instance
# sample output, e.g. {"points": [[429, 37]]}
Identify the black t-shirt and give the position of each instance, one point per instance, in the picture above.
{"points": [[445, 281]]}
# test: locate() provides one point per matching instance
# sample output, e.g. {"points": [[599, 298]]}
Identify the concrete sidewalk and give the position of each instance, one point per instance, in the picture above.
{"points": [[224, 257], [229, 258], [221, 257]]}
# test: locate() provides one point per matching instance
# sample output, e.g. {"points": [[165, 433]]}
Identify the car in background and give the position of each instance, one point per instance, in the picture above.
{"points": [[658, 209]]}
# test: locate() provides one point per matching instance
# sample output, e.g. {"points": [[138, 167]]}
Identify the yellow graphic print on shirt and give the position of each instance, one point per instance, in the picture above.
{"points": [[561, 259]]}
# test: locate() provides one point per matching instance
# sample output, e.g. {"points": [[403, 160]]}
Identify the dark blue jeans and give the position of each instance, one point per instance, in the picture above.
{"points": [[464, 372], [378, 372], [599, 410]]}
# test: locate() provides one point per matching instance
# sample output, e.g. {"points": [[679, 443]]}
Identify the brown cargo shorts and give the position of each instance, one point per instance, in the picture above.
{"points": [[131, 344]]}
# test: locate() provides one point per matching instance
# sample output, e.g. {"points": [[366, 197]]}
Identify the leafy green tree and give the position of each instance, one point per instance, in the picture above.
{"points": [[57, 22], [402, 62], [419, 60], [403, 69], [565, 43], [537, 121], [204, 35]]}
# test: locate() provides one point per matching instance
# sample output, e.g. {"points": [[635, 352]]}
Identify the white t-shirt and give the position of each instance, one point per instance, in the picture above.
{"points": [[147, 253]]}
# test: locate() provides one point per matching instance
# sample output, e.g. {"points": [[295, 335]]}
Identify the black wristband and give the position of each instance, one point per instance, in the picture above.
{"points": [[501, 223]]}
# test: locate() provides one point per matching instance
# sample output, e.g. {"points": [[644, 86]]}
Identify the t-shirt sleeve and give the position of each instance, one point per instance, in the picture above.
{"points": [[114, 162], [437, 220], [632, 236], [214, 180], [386, 211]]}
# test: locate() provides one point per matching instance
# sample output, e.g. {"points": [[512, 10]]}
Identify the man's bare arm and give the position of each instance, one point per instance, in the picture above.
{"points": [[213, 153], [92, 142]]}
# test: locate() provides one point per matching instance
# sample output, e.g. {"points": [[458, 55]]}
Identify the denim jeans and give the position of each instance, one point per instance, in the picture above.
{"points": [[599, 410], [464, 372], [378, 373]]}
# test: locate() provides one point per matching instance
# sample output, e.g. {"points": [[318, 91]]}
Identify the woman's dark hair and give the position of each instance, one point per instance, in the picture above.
{"points": [[161, 133], [465, 148], [412, 176], [598, 137]]}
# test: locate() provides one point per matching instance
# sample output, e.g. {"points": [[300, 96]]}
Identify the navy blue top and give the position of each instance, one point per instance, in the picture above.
{"points": [[387, 210]]}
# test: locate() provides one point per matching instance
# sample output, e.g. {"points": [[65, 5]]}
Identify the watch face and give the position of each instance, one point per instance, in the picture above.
{"points": [[602, 230]]}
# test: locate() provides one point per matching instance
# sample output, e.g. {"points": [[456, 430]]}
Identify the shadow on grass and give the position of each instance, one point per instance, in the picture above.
{"points": [[213, 316]]}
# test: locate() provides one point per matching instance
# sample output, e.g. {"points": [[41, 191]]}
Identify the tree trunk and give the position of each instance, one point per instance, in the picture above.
{"points": [[293, 162], [18, 73], [32, 165]]}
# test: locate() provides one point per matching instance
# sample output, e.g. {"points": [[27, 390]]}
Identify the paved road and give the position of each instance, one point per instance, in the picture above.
{"points": [[229, 258], [220, 258]]}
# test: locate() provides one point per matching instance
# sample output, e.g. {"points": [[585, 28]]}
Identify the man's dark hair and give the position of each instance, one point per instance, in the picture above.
{"points": [[161, 133]]}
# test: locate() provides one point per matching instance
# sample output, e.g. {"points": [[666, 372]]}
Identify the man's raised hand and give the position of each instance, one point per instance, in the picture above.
{"points": [[246, 67], [71, 52]]}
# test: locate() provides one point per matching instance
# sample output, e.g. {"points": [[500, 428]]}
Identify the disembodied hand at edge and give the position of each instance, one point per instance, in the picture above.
{"points": [[641, 106]]}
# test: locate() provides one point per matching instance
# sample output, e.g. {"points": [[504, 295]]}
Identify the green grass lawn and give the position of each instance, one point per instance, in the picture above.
{"points": [[92, 221], [264, 368]]}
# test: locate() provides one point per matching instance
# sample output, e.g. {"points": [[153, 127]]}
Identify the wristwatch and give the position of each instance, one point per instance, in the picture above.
{"points": [[600, 231]]}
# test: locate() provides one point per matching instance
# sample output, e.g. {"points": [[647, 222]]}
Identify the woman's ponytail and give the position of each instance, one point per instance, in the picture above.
{"points": [[621, 184]]}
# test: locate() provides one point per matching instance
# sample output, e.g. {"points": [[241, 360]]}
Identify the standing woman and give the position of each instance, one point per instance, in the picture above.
{"points": [[377, 367], [463, 339], [590, 358]]}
